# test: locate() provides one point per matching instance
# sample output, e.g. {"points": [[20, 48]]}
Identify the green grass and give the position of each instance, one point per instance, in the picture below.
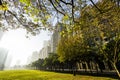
{"points": [[44, 75]]}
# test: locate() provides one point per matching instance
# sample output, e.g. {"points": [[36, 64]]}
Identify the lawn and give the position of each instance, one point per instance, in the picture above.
{"points": [[44, 75]]}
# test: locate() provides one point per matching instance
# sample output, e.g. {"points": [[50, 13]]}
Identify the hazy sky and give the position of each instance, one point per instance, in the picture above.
{"points": [[19, 46]]}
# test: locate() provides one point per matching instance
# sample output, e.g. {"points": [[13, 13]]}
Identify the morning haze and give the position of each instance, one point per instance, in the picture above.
{"points": [[59, 39]]}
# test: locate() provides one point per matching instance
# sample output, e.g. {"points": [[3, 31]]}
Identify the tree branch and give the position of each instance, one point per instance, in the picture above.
{"points": [[66, 2], [96, 6], [6, 17], [72, 9], [39, 4], [17, 19], [56, 8], [60, 5], [15, 16]]}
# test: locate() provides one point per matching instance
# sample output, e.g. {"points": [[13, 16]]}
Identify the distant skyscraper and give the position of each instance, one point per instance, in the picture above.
{"points": [[44, 52], [3, 57], [50, 46], [3, 54], [35, 56], [56, 37]]}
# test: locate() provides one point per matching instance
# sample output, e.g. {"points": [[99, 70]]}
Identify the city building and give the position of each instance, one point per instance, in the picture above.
{"points": [[50, 46], [44, 52], [34, 57], [3, 57], [55, 38]]}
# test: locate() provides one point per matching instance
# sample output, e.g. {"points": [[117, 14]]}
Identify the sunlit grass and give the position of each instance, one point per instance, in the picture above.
{"points": [[44, 75]]}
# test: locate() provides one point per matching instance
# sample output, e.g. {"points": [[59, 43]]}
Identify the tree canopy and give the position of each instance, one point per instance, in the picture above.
{"points": [[95, 37], [34, 15]]}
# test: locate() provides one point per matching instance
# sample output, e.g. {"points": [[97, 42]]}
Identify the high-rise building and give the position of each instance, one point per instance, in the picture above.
{"points": [[3, 57], [56, 37], [3, 54], [44, 52], [50, 46], [35, 56]]}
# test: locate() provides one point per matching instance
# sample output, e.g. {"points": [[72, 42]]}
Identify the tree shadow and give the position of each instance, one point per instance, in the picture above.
{"points": [[112, 75]]}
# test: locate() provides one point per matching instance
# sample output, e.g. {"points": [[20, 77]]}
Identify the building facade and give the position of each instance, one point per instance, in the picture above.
{"points": [[50, 46], [44, 52]]}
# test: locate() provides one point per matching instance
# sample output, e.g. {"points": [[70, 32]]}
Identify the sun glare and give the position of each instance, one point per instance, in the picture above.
{"points": [[20, 47], [16, 43], [13, 40]]}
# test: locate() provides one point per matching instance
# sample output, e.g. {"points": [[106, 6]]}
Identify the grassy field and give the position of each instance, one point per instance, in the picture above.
{"points": [[44, 75]]}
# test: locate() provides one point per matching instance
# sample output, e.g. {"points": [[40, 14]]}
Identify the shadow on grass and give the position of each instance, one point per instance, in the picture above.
{"points": [[112, 75]]}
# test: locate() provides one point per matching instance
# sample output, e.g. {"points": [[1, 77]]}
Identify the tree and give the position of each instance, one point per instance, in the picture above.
{"points": [[96, 30], [71, 48], [102, 28], [52, 62], [112, 53], [38, 64], [18, 13]]}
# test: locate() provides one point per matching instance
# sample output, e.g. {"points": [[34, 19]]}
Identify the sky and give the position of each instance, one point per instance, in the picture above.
{"points": [[19, 47]]}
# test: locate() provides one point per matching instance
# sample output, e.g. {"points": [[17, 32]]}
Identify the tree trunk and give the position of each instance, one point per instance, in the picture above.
{"points": [[96, 66], [91, 67], [118, 73], [81, 66], [78, 64]]}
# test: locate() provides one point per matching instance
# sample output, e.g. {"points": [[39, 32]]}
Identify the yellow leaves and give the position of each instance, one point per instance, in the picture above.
{"points": [[102, 35], [47, 16], [4, 7], [95, 22], [27, 2], [33, 12], [62, 33], [36, 20], [66, 18], [69, 47]]}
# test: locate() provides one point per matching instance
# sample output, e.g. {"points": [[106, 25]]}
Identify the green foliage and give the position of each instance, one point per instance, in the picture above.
{"points": [[112, 51], [49, 62], [91, 34], [70, 48], [38, 63]]}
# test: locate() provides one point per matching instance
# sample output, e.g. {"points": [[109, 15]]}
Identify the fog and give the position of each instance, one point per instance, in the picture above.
{"points": [[3, 58]]}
